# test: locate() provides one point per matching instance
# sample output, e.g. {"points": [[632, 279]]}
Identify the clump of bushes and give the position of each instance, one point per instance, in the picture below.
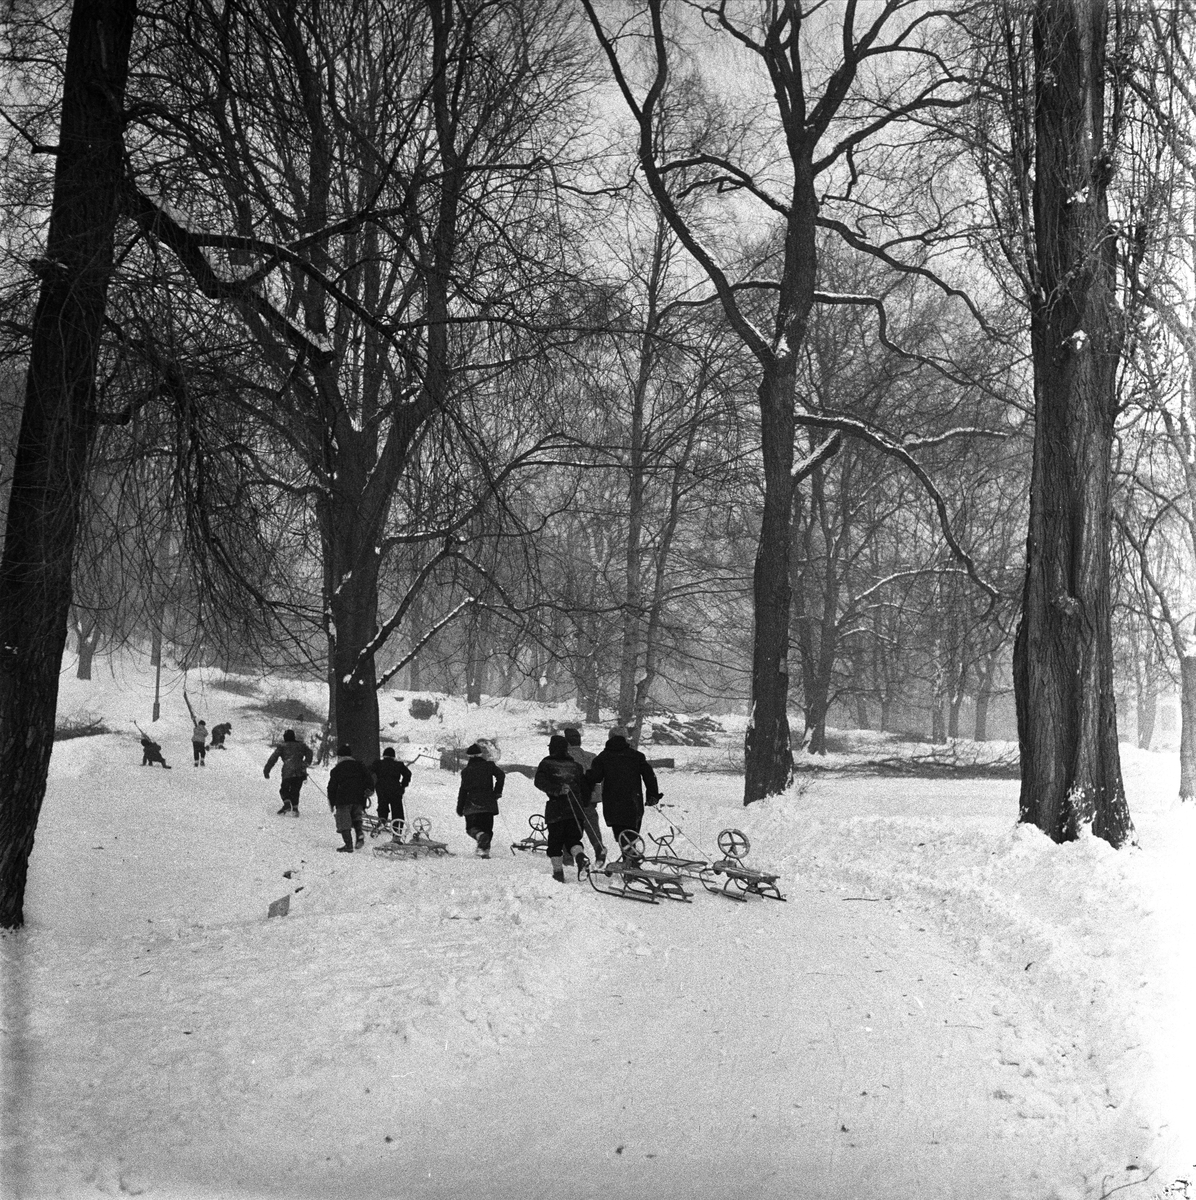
{"points": [[422, 709]]}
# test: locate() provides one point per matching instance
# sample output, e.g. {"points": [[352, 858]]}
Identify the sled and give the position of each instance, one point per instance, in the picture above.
{"points": [[537, 840], [629, 879], [664, 858], [738, 882], [411, 840]]}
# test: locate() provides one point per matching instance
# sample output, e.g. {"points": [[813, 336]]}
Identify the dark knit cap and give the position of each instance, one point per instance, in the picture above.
{"points": [[288, 735], [557, 746], [344, 750], [572, 736], [389, 752]]}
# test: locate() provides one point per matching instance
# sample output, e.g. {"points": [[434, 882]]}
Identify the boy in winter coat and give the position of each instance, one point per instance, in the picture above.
{"points": [[564, 781], [589, 808], [621, 769], [478, 796], [296, 758], [199, 744], [219, 733], [349, 787], [151, 753], [391, 778]]}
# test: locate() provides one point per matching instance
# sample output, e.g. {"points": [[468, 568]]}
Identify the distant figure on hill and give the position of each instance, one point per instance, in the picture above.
{"points": [[391, 779], [219, 733], [151, 753], [296, 758], [349, 787], [199, 744], [478, 797]]}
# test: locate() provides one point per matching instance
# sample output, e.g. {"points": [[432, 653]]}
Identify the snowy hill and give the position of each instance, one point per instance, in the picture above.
{"points": [[946, 1006]]}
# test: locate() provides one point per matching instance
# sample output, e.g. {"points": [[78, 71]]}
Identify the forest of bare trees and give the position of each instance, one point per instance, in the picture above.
{"points": [[830, 362]]}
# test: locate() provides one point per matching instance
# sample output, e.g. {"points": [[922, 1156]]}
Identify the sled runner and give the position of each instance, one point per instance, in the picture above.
{"points": [[411, 840], [738, 882], [629, 879], [537, 840]]}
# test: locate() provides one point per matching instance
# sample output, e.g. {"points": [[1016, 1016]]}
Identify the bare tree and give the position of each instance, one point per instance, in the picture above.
{"points": [[59, 420]]}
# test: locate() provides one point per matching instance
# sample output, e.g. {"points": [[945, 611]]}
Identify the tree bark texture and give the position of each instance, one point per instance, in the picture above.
{"points": [[768, 755], [58, 424], [1063, 660], [1187, 728]]}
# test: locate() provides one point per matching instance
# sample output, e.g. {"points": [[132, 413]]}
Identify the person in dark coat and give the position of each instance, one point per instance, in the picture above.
{"points": [[391, 779], [151, 752], [624, 774], [296, 758], [478, 796], [561, 777], [219, 733], [349, 787], [589, 807]]}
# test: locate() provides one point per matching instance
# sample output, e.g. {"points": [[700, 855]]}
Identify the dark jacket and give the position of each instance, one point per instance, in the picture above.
{"points": [[296, 758], [564, 781], [586, 760], [349, 783], [391, 778], [481, 787], [621, 769]]}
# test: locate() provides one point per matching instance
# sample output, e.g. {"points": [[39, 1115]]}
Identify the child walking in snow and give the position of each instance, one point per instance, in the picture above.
{"points": [[199, 744], [349, 787], [296, 758], [562, 778], [478, 796]]}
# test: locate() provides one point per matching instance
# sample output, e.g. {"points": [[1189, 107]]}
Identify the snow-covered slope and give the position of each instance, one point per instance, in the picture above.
{"points": [[947, 1006]]}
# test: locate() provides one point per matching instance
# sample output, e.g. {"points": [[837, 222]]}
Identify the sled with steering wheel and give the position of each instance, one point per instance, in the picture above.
{"points": [[411, 839], [629, 879], [729, 877], [537, 841]]}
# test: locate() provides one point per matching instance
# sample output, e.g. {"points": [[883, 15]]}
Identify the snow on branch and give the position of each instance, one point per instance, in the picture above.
{"points": [[158, 222], [889, 445], [432, 631]]}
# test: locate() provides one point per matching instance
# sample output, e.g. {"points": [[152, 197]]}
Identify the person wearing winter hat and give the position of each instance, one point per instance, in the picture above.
{"points": [[562, 778], [349, 787], [391, 777], [589, 807], [296, 758], [199, 744], [478, 796], [621, 769]]}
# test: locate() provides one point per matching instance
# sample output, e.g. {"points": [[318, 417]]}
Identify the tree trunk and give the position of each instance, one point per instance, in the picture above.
{"points": [[1063, 660], [1187, 728], [768, 755], [1147, 705], [87, 641], [57, 424], [861, 712], [984, 696]]}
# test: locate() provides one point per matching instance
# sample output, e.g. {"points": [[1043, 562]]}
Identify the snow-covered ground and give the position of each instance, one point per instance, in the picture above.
{"points": [[947, 1006]]}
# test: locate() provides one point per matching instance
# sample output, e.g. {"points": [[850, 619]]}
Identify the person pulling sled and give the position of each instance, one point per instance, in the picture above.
{"points": [[349, 787], [391, 779], [562, 778], [296, 758], [625, 776]]}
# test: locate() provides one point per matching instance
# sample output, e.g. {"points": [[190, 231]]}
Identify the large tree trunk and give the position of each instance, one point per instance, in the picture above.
{"points": [[1063, 660], [1146, 704], [768, 755], [58, 423], [1187, 728], [87, 641]]}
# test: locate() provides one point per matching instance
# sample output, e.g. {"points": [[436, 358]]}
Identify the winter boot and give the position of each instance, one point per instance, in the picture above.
{"points": [[559, 876], [286, 808], [295, 811], [582, 863], [347, 848], [360, 836], [600, 858]]}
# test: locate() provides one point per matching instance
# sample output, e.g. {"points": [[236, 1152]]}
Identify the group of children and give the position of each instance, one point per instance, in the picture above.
{"points": [[151, 751], [575, 782]]}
